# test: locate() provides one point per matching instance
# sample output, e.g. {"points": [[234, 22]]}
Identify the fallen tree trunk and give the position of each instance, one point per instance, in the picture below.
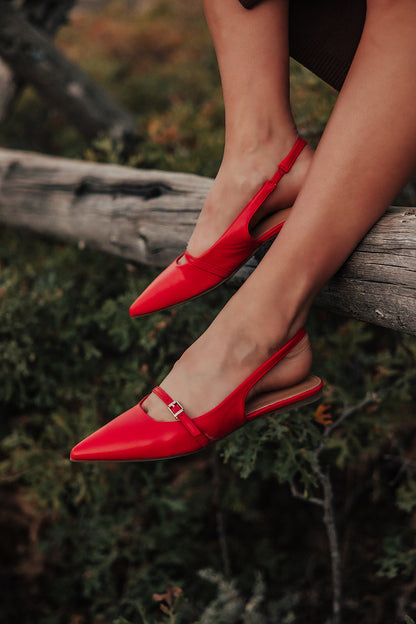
{"points": [[142, 216], [147, 217]]}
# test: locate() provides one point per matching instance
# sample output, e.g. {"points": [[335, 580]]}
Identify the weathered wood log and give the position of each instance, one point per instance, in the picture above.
{"points": [[147, 217], [142, 216], [34, 60]]}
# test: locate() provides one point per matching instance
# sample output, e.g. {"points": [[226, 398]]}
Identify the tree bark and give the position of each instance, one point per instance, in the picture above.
{"points": [[8, 89], [34, 60], [147, 217]]}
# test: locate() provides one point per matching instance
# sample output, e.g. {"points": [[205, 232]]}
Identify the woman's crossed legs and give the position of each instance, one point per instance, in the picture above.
{"points": [[366, 154]]}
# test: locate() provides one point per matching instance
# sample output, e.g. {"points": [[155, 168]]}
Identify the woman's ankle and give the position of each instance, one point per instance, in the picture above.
{"points": [[262, 146], [241, 175]]}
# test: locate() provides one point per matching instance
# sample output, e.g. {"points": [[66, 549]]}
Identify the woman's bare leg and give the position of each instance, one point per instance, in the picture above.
{"points": [[253, 57], [367, 153]]}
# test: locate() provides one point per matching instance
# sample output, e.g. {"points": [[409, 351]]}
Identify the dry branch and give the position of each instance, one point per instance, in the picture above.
{"points": [[47, 15], [147, 217], [34, 60], [327, 504]]}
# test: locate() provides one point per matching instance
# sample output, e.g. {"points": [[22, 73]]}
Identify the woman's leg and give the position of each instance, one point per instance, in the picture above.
{"points": [[366, 154], [253, 57]]}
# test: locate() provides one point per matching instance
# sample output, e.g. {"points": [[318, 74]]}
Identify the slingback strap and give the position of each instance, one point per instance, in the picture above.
{"points": [[180, 415], [273, 360], [270, 185], [290, 159]]}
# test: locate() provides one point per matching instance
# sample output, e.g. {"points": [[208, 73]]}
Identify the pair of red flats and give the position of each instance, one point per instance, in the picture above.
{"points": [[134, 435]]}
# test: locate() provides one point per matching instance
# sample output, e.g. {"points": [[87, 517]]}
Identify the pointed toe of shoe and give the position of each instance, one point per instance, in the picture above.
{"points": [[151, 300], [80, 452], [135, 436], [113, 441], [101, 445], [176, 284], [163, 292], [119, 440]]}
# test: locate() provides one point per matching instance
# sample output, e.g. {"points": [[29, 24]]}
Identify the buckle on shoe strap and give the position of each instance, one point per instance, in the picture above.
{"points": [[175, 409]]}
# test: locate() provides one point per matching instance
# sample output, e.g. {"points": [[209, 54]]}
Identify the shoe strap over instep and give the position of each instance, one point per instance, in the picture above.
{"points": [[180, 415]]}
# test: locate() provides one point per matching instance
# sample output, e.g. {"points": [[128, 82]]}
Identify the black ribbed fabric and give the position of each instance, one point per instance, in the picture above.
{"points": [[324, 34], [249, 4]]}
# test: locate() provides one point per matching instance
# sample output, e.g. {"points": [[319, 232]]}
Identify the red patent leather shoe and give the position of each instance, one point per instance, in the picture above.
{"points": [[189, 276], [135, 436]]}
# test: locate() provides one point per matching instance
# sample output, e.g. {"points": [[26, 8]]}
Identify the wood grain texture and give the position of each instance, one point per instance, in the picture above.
{"points": [[142, 216], [147, 217]]}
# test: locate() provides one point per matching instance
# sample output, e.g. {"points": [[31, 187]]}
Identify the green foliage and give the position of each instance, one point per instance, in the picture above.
{"points": [[399, 547], [112, 535], [71, 358], [398, 558], [279, 446], [406, 496], [231, 607]]}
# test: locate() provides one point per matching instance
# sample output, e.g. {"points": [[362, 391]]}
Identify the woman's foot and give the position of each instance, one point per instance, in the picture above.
{"points": [[138, 436], [216, 364], [248, 208], [242, 173]]}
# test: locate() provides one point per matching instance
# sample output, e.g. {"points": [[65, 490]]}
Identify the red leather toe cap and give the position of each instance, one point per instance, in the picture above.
{"points": [[135, 436]]}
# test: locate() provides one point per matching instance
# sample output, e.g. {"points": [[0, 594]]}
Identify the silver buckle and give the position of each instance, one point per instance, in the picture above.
{"points": [[175, 409]]}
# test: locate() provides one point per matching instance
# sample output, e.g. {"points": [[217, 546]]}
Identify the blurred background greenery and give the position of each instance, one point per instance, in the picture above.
{"points": [[218, 537]]}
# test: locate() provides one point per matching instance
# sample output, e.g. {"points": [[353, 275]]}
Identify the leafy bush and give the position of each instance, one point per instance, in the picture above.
{"points": [[71, 359]]}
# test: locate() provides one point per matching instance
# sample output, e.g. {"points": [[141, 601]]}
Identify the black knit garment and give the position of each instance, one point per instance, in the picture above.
{"points": [[249, 4], [324, 35]]}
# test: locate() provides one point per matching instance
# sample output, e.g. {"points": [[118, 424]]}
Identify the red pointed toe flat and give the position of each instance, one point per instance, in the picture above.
{"points": [[189, 276], [135, 436]]}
